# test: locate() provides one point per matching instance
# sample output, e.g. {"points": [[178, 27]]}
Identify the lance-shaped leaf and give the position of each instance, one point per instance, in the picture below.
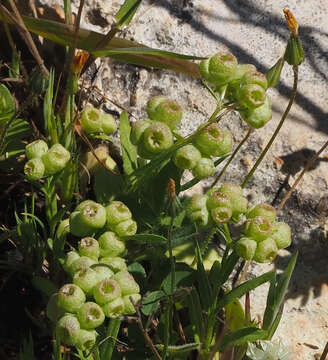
{"points": [[126, 12], [64, 34]]}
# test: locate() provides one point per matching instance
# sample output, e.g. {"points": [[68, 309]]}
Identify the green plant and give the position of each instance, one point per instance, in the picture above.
{"points": [[129, 243]]}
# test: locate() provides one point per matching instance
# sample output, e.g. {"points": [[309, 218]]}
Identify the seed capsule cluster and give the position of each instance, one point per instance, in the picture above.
{"points": [[95, 121], [244, 86], [100, 286], [43, 161], [262, 236]]}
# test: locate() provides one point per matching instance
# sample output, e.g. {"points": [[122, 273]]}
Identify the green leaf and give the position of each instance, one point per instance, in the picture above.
{"points": [[64, 34], [126, 12], [7, 105], [179, 349], [234, 315], [138, 272], [243, 289], [44, 285], [227, 268], [203, 282], [151, 302], [242, 336], [146, 239], [183, 277], [129, 152], [196, 315], [277, 293]]}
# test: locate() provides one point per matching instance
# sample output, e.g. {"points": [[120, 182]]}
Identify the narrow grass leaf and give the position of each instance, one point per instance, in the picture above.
{"points": [[196, 315], [242, 336], [126, 12], [203, 281], [151, 302]]}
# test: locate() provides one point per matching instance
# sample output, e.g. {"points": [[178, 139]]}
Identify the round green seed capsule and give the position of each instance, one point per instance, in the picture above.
{"points": [[34, 169], [90, 315], [126, 282], [257, 118], [53, 311], [70, 297], [110, 244], [281, 234], [104, 272], [36, 149], [239, 206], [152, 104], [258, 228], [55, 159], [86, 279], [67, 329], [86, 339], [245, 248], [106, 291], [221, 215], [187, 157], [213, 141], [116, 212], [251, 96], [216, 198], [82, 262], [264, 210], [255, 77], [114, 308], [91, 120], [204, 168], [63, 229], [197, 202], [157, 138], [266, 251], [168, 112], [233, 191], [89, 247], [70, 258], [126, 228], [87, 221], [200, 217], [115, 263], [137, 130], [128, 306], [108, 124]]}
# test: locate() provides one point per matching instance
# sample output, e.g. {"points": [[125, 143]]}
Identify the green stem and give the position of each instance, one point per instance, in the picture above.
{"points": [[112, 332], [232, 157], [283, 118]]}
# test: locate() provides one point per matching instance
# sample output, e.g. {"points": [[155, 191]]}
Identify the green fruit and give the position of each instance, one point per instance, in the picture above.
{"points": [[114, 308], [216, 198], [55, 159], [53, 311], [200, 217], [204, 168], [89, 247], [168, 112], [110, 244], [108, 124], [88, 220], [63, 229], [187, 157], [251, 96], [137, 130], [70, 258], [264, 210], [157, 138], [258, 228], [273, 74], [36, 149], [255, 77], [103, 272], [257, 118], [221, 215], [116, 212], [67, 329], [128, 306], [294, 54], [126, 282], [91, 120], [70, 297], [266, 251], [126, 228], [86, 339], [233, 191], [34, 169], [213, 141], [106, 291], [245, 248], [82, 262], [115, 263], [86, 279], [90, 315], [152, 104], [281, 234]]}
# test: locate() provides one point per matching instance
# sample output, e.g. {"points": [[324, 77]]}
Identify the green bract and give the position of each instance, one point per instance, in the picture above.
{"points": [[55, 159], [213, 141], [90, 315], [70, 297], [87, 219], [36, 149], [34, 169], [219, 69], [89, 247], [204, 168], [187, 157], [110, 244], [106, 290]]}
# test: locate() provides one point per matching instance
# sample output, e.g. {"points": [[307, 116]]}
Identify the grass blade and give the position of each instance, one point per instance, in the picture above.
{"points": [[126, 12]]}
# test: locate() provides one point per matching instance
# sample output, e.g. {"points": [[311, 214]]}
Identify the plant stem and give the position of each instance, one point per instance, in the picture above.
{"points": [[306, 168], [283, 118], [232, 157], [112, 331]]}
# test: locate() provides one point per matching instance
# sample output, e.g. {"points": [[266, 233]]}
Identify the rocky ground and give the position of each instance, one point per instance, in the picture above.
{"points": [[255, 32]]}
